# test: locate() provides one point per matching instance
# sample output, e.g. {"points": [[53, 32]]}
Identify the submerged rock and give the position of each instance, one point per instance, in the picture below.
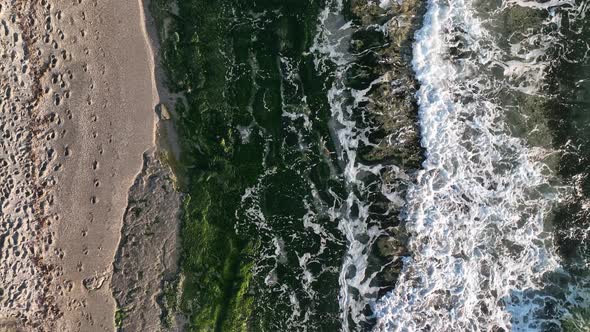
{"points": [[393, 110], [392, 103]]}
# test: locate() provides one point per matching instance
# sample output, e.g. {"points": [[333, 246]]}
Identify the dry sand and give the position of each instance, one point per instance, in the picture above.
{"points": [[77, 114]]}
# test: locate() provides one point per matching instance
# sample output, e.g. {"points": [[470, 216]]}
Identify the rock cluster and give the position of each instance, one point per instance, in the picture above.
{"points": [[393, 109]]}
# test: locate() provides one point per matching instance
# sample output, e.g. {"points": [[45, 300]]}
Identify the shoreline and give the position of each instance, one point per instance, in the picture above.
{"points": [[149, 243], [168, 139], [305, 146]]}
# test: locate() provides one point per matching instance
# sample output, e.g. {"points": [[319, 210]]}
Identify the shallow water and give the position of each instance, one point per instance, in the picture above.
{"points": [[288, 217], [482, 252]]}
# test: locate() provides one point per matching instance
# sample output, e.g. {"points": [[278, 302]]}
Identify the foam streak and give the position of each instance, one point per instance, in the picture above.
{"points": [[477, 211]]}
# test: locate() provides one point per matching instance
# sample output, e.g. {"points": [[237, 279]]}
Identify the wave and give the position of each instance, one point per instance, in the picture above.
{"points": [[481, 252]]}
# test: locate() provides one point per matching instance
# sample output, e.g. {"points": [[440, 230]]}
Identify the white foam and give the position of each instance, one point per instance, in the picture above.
{"points": [[331, 48], [476, 215], [539, 4]]}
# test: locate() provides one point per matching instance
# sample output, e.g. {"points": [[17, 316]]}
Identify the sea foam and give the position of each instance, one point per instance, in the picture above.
{"points": [[476, 216]]}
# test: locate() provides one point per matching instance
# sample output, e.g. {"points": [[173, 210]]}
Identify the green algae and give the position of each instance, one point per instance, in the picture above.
{"points": [[242, 65], [169, 301], [577, 321], [120, 315], [200, 48], [213, 267], [215, 260]]}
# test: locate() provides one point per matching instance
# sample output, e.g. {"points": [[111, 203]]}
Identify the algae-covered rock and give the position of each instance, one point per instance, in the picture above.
{"points": [[392, 105], [391, 110], [577, 321], [163, 112], [517, 18]]}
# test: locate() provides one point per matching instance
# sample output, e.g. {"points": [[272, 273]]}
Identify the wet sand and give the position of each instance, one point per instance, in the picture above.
{"points": [[78, 105]]}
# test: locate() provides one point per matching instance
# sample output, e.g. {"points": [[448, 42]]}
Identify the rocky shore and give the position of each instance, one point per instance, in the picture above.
{"points": [[385, 40]]}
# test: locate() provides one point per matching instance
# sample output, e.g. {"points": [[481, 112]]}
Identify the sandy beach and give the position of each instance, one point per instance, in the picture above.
{"points": [[106, 141], [78, 82]]}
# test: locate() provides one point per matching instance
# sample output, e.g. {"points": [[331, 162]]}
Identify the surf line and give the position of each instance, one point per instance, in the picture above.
{"points": [[476, 214]]}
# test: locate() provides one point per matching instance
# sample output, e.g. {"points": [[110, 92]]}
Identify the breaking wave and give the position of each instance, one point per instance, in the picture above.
{"points": [[481, 251]]}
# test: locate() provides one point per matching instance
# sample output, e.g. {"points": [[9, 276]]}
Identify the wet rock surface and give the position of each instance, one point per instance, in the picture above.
{"points": [[146, 264], [278, 95], [392, 102], [385, 37]]}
